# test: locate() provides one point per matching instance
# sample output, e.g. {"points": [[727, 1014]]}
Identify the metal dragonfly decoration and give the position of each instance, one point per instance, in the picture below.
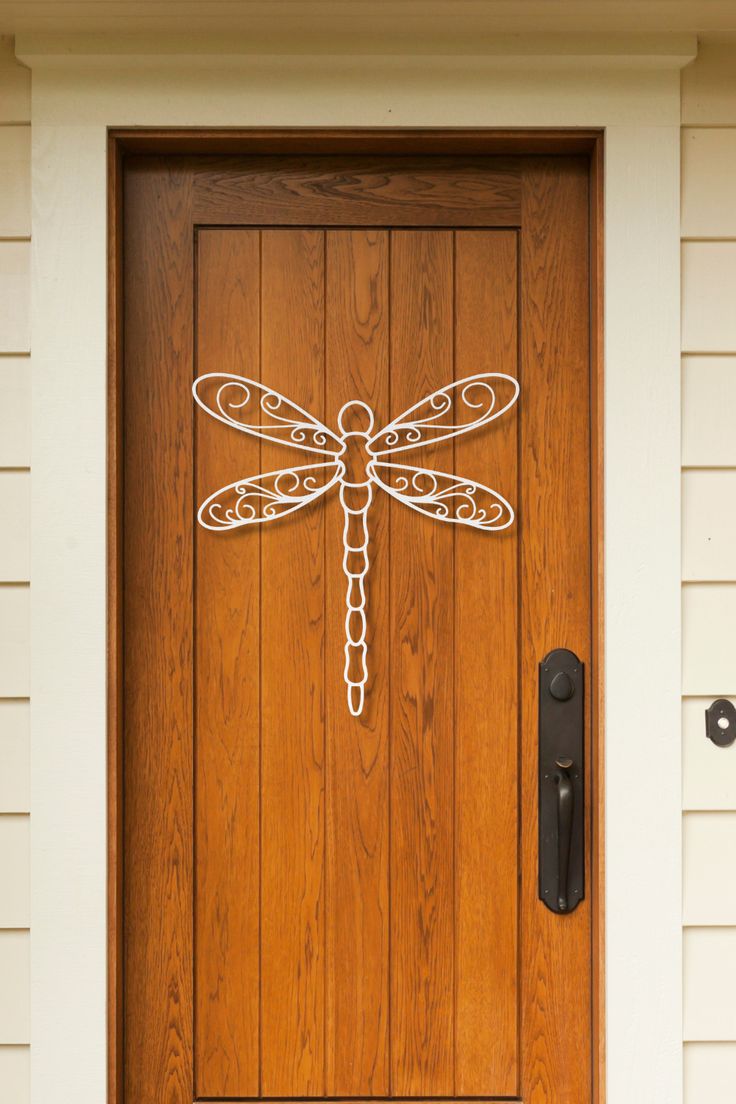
{"points": [[357, 465]]}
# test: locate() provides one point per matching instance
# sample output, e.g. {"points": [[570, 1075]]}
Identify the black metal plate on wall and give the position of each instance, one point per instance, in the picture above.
{"points": [[720, 722], [561, 781]]}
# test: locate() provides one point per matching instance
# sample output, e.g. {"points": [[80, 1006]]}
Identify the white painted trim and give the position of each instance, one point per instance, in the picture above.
{"points": [[640, 110]]}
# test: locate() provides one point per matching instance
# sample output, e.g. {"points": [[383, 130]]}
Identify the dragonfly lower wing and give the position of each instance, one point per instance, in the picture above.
{"points": [[266, 497], [443, 496]]}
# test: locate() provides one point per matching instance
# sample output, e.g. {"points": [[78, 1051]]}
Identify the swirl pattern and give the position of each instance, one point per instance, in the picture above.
{"points": [[357, 468]]}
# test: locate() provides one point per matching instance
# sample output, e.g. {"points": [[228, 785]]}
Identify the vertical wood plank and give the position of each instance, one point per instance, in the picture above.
{"points": [[357, 312], [422, 920], [227, 692], [292, 658], [556, 578], [486, 676], [158, 517]]}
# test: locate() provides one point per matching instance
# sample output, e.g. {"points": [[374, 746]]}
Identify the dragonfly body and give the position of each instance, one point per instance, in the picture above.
{"points": [[354, 460], [356, 496]]}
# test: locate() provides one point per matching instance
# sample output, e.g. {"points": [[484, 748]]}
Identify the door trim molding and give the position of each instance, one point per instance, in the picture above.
{"points": [[72, 111]]}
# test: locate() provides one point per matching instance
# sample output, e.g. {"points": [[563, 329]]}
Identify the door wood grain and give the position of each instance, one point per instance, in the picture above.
{"points": [[422, 764], [158, 527], [486, 690], [227, 604], [292, 688], [555, 596], [357, 955], [315, 905]]}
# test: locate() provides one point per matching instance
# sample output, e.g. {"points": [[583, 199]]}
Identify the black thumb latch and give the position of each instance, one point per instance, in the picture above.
{"points": [[720, 722]]}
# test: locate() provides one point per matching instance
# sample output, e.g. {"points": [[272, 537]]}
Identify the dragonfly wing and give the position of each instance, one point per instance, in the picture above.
{"points": [[263, 412], [266, 497], [443, 496], [461, 406]]}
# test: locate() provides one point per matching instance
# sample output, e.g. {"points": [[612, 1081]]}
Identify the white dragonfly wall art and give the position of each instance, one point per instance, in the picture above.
{"points": [[356, 462]]}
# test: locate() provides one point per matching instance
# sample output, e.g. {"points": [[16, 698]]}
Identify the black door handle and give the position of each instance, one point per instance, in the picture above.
{"points": [[565, 810], [561, 781]]}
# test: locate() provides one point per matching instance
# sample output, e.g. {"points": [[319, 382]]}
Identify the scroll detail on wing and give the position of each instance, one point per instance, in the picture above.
{"points": [[461, 406], [444, 497], [263, 412], [266, 497]]}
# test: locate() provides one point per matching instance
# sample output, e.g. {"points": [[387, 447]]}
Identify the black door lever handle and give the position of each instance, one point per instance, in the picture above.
{"points": [[561, 781], [565, 811]]}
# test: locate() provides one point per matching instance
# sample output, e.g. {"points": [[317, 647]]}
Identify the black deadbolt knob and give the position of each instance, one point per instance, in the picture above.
{"points": [[561, 687]]}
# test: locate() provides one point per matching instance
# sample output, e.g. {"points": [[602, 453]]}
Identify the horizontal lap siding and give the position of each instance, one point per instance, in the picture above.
{"points": [[709, 568], [15, 256], [710, 1072]]}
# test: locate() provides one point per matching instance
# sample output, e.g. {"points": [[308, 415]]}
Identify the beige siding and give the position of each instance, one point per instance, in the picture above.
{"points": [[15, 181], [15, 958], [708, 290], [15, 789], [15, 295], [709, 847], [709, 640], [710, 984], [15, 510], [15, 412], [709, 568], [708, 209], [15, 230], [710, 1072], [708, 404], [14, 871], [709, 524], [14, 642], [15, 1074]]}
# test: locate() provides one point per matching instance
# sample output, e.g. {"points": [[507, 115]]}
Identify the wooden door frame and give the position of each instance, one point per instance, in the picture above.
{"points": [[320, 141]]}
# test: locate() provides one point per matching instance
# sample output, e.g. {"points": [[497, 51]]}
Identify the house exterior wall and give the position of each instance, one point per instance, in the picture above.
{"points": [[708, 227], [707, 1060], [15, 384]]}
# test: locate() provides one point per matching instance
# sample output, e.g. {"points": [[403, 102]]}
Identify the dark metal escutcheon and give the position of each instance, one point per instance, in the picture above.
{"points": [[720, 722], [561, 781]]}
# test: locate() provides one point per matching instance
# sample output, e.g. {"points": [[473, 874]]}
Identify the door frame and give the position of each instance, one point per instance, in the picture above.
{"points": [[378, 142], [631, 89]]}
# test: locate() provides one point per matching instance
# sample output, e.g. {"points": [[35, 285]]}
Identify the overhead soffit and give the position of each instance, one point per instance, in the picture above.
{"points": [[367, 25]]}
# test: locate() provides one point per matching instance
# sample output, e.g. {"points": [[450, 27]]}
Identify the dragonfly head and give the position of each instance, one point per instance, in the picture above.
{"points": [[355, 417]]}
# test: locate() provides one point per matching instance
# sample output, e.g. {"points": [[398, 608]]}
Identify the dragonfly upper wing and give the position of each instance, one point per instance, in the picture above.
{"points": [[266, 497], [455, 409], [263, 412], [443, 496]]}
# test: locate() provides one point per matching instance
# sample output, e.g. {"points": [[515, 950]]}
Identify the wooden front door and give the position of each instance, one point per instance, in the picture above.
{"points": [[314, 904]]}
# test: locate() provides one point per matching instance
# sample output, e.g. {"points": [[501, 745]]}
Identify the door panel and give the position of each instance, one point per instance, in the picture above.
{"points": [[486, 694], [292, 687], [318, 905], [555, 596], [358, 749], [227, 698], [422, 936]]}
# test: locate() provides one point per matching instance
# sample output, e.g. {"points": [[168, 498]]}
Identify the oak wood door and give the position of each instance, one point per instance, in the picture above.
{"points": [[315, 904]]}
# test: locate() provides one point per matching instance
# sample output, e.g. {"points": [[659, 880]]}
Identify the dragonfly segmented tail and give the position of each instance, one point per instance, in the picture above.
{"points": [[356, 502]]}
